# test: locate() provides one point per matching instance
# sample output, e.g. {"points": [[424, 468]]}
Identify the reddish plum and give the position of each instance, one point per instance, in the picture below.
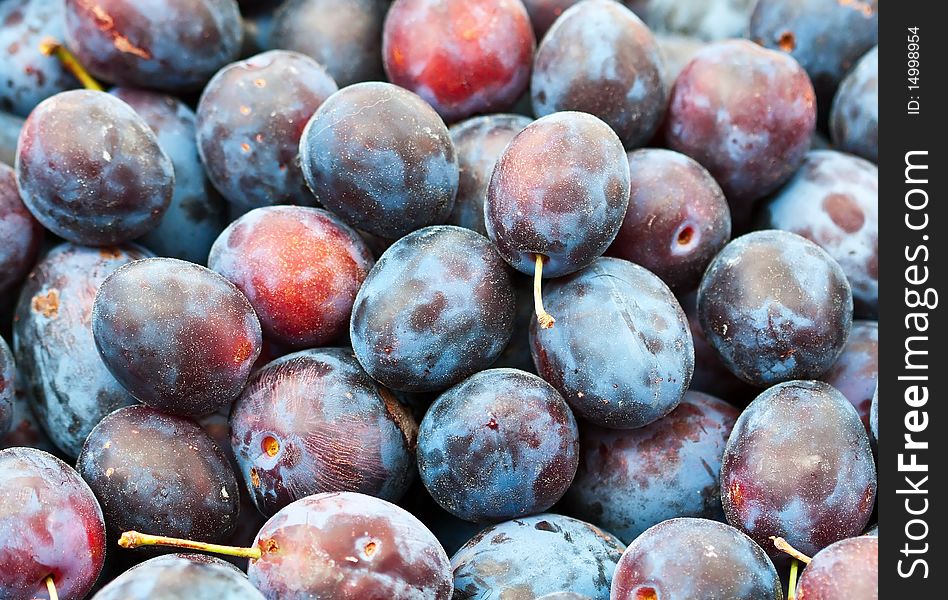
{"points": [[847, 569], [21, 235], [856, 372]]}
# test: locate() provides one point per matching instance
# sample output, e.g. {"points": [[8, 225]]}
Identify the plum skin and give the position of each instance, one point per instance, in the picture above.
{"points": [[847, 568], [22, 234]]}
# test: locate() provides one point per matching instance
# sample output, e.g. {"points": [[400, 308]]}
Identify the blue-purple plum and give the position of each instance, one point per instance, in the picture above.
{"points": [[710, 20], [21, 235], [7, 391], [501, 444], [10, 127], [91, 170], [874, 415], [854, 119], [437, 307], [798, 465], [559, 192], [197, 214], [534, 556], [695, 559], [314, 422], [69, 388], [599, 58], [249, 121], [153, 471], [381, 158], [776, 307], [28, 75], [856, 372], [174, 576], [631, 480], [621, 352], [846, 569], [178, 336], [833, 200], [173, 45], [479, 141]]}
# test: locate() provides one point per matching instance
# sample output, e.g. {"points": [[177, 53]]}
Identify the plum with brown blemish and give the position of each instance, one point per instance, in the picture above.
{"points": [[854, 120], [345, 36], [337, 545], [152, 470], [798, 465], [178, 336], [599, 58], [314, 422], [776, 307], [557, 197], [437, 307], [91, 170], [621, 353], [249, 122], [695, 558], [856, 373], [846, 569], [534, 556], [677, 220], [381, 158], [826, 38], [501, 444], [746, 114], [28, 74], [479, 142], [631, 480], [69, 387], [833, 200], [299, 267], [174, 576], [464, 57], [21, 235], [51, 527], [171, 45], [197, 214]]}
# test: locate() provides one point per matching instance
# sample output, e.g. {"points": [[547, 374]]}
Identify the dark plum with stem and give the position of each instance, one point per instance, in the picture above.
{"points": [[29, 75], [337, 545], [151, 470], [833, 200], [299, 267], [437, 307], [534, 556], [856, 373], [479, 142], [499, 445], [69, 387], [826, 38], [174, 576], [544, 12], [21, 234], [51, 529], [345, 36], [599, 58], [464, 57], [91, 170], [197, 214], [798, 465], [249, 121], [846, 569], [695, 559], [7, 391], [631, 480], [621, 353], [313, 422], [776, 307], [677, 220], [178, 336], [746, 114], [854, 119], [557, 197], [172, 45], [381, 158]]}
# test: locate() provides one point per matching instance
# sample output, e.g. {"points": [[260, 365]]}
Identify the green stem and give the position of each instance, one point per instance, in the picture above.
{"points": [[51, 47], [792, 591]]}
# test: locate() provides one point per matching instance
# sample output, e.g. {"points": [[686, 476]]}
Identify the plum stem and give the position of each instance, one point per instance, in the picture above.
{"points": [[51, 588], [135, 539], [784, 546], [51, 47], [543, 318], [792, 586]]}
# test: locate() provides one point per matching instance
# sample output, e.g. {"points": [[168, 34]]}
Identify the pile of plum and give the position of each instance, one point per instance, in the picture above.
{"points": [[433, 299]]}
